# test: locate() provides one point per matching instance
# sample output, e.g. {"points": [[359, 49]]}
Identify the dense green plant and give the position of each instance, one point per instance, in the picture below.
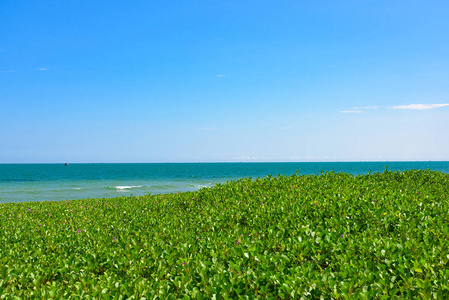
{"points": [[333, 235]]}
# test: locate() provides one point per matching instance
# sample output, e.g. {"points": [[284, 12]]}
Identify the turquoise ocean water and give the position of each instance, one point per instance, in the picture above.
{"points": [[52, 182]]}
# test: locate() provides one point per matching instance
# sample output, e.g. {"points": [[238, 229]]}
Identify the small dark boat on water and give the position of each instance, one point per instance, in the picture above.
{"points": [[66, 164]]}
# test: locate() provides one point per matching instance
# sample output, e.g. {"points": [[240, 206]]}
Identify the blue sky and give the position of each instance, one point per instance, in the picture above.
{"points": [[200, 81]]}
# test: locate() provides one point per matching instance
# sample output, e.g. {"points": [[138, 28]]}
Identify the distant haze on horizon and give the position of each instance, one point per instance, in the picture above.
{"points": [[223, 81]]}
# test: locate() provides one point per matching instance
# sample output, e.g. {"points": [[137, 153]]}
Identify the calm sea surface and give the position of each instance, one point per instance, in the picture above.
{"points": [[50, 182]]}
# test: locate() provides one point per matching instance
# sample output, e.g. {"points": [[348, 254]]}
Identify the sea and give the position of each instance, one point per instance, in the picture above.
{"points": [[58, 182]]}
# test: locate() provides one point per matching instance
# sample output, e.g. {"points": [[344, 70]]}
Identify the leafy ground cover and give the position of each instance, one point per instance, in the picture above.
{"points": [[376, 236]]}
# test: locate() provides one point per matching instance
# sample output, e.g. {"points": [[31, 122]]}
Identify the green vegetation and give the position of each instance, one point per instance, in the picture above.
{"points": [[376, 236]]}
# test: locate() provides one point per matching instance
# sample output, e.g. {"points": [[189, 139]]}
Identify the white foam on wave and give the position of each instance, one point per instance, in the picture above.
{"points": [[126, 187], [200, 186], [77, 188]]}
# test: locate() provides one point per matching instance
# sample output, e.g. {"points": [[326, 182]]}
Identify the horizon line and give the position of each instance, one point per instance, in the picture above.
{"points": [[214, 162]]}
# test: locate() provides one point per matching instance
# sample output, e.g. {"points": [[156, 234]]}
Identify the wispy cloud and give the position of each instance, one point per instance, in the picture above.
{"points": [[361, 109], [312, 157], [221, 75], [419, 106], [239, 158], [43, 69], [358, 109], [7, 71], [351, 111], [316, 157], [243, 157]]}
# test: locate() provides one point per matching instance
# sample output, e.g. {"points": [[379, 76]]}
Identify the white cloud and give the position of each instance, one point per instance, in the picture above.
{"points": [[43, 69], [316, 157], [221, 75], [419, 106], [351, 111], [359, 109]]}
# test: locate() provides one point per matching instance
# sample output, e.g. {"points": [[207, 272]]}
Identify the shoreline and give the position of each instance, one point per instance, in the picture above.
{"points": [[42, 182]]}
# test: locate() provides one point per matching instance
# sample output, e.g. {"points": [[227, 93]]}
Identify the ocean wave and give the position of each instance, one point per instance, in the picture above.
{"points": [[126, 187], [200, 186]]}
